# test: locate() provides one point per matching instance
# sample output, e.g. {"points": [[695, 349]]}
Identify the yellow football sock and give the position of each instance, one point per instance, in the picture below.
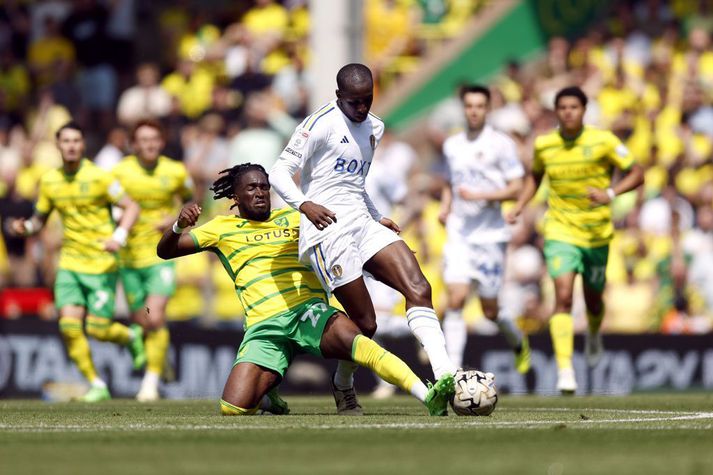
{"points": [[105, 329], [366, 352], [562, 333], [228, 409], [156, 345], [595, 321], [77, 346]]}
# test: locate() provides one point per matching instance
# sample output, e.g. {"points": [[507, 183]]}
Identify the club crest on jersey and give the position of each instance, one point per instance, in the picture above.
{"points": [[282, 222], [372, 141], [337, 270]]}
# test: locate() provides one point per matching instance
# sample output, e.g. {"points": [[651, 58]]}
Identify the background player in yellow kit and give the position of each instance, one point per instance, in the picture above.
{"points": [[285, 309], [578, 161], [156, 183], [85, 284]]}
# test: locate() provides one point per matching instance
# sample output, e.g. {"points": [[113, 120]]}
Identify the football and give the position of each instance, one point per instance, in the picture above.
{"points": [[476, 394]]}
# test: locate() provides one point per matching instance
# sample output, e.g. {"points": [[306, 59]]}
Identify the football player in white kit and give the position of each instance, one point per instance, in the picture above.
{"points": [[342, 233], [484, 170]]}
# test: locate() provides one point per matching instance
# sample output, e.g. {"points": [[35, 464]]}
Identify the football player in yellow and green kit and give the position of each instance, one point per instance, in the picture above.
{"points": [[83, 194], [286, 312], [578, 162], [156, 183]]}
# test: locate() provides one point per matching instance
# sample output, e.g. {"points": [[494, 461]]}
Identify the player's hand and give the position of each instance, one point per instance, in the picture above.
{"points": [[469, 194], [189, 215], [17, 227], [512, 216], [443, 216], [111, 246], [318, 215], [390, 224], [598, 196]]}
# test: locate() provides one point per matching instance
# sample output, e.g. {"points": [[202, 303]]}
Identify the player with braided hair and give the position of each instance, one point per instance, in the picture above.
{"points": [[286, 313], [224, 186]]}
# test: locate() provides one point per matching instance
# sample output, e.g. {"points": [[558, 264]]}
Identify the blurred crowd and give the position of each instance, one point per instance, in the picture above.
{"points": [[226, 79], [229, 83]]}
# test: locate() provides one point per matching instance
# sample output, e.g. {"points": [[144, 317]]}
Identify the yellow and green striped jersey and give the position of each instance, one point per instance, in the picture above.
{"points": [[155, 190], [571, 167], [83, 201], [261, 258]]}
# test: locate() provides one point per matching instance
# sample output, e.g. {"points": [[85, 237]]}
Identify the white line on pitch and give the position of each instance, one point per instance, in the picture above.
{"points": [[477, 423]]}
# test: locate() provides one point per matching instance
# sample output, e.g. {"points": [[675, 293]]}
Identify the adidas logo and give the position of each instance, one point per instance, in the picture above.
{"points": [[345, 139]]}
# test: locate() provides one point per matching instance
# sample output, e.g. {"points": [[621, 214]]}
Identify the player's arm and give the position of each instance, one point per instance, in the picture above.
{"points": [[33, 225], [174, 242], [28, 227], [511, 167], [633, 178], [128, 219], [620, 157], [510, 192], [446, 203], [291, 160], [531, 183]]}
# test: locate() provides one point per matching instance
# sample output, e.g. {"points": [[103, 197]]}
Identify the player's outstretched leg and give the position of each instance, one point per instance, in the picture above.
{"points": [[396, 266], [341, 339], [80, 353], [104, 329], [562, 333]]}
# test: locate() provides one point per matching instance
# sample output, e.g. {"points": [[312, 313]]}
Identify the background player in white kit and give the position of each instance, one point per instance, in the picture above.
{"points": [[484, 170], [342, 233]]}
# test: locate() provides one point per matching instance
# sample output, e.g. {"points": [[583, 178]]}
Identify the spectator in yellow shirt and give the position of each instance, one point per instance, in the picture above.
{"points": [[192, 86], [47, 51]]}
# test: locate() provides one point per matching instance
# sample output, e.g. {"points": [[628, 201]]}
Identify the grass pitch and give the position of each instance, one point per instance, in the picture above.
{"points": [[651, 434]]}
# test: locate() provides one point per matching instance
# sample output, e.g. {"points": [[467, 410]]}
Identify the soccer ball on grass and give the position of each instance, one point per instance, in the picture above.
{"points": [[476, 394]]}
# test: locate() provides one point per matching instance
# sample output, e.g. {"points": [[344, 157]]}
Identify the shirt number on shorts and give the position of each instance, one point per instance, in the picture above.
{"points": [[102, 298], [166, 275], [597, 274], [320, 307]]}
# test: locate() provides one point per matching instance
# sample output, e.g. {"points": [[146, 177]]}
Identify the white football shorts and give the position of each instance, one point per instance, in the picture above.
{"points": [[340, 258], [483, 264]]}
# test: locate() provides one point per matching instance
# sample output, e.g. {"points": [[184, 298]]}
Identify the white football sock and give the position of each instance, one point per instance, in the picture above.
{"points": [[510, 331], [150, 380], [454, 329], [344, 375], [419, 391], [98, 383], [426, 328]]}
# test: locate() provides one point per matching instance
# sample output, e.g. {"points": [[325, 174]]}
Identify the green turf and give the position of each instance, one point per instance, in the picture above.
{"points": [[650, 434]]}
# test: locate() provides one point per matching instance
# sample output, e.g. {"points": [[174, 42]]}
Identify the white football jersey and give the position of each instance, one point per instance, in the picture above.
{"points": [[334, 155], [487, 163], [387, 184]]}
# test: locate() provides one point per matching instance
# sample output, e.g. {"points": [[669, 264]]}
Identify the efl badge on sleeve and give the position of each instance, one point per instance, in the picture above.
{"points": [[372, 141], [299, 139]]}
